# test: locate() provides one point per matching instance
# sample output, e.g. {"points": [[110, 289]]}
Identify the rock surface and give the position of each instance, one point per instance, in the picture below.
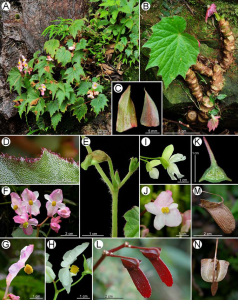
{"points": [[20, 34]]}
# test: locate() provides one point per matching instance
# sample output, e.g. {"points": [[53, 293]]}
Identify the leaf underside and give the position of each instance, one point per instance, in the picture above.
{"points": [[172, 50], [131, 228]]}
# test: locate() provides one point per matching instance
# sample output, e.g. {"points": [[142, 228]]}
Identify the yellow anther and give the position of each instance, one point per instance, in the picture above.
{"points": [[30, 202], [74, 269], [28, 269], [165, 210], [25, 225], [53, 203], [15, 207]]}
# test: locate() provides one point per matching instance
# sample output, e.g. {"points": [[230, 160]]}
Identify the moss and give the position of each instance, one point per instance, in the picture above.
{"points": [[17, 16]]}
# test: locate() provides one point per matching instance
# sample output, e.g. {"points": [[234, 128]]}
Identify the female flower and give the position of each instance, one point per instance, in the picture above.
{"points": [[210, 11], [26, 223], [54, 224], [64, 212], [17, 204], [30, 202], [13, 297], [165, 210], [54, 202]]}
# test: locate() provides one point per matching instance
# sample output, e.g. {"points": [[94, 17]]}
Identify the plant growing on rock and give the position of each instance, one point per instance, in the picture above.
{"points": [[169, 44]]}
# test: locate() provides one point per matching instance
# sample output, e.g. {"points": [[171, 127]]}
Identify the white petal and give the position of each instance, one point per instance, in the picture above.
{"points": [[177, 157], [71, 255], [173, 218], [65, 278], [173, 169], [154, 173], [173, 206], [159, 221], [47, 197], [152, 208], [36, 194], [50, 275]]}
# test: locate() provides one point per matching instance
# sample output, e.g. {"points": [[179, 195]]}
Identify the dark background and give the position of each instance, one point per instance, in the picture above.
{"points": [[70, 225], [84, 287], [224, 149], [95, 199], [156, 148], [227, 288], [137, 96]]}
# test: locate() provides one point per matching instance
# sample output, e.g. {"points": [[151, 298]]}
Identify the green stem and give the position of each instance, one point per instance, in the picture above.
{"points": [[150, 157], [112, 172], [100, 170], [114, 212], [59, 291], [125, 179], [56, 290], [48, 235], [5, 203], [144, 160]]}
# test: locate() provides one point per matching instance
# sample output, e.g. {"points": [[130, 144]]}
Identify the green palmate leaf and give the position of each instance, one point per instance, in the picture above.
{"points": [[83, 88], [172, 50], [131, 228], [63, 56], [60, 96], [23, 99], [70, 43], [56, 118], [52, 107], [79, 109], [53, 87], [50, 168], [15, 80], [78, 55], [81, 45], [39, 109], [98, 104], [74, 73], [75, 27], [51, 46], [19, 233]]}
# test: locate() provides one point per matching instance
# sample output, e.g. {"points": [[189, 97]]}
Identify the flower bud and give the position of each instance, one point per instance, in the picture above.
{"points": [[96, 157], [134, 164], [117, 178]]}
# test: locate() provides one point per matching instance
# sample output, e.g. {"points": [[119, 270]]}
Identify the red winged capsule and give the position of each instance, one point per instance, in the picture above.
{"points": [[153, 254], [140, 280]]}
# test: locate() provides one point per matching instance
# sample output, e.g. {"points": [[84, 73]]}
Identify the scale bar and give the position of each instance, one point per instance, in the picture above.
{"points": [[206, 235], [69, 235], [93, 235]]}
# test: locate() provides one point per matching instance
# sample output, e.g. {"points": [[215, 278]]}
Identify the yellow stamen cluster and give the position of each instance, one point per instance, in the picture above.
{"points": [[165, 210], [30, 202], [25, 225], [28, 269], [15, 207], [53, 203], [74, 269]]}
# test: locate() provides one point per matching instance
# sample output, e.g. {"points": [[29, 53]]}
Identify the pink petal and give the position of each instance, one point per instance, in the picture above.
{"points": [[64, 212], [33, 222], [21, 219], [13, 297], [186, 216], [210, 11], [28, 195], [35, 208], [28, 230], [57, 195], [51, 210], [164, 199], [15, 268], [15, 198], [173, 218], [55, 227]]}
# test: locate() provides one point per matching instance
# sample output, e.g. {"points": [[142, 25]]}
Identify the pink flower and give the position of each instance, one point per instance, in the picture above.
{"points": [[17, 204], [210, 11], [95, 85], [213, 123], [26, 223], [72, 47], [42, 89], [13, 297], [95, 93], [165, 210], [54, 202], [15, 268], [64, 212], [20, 66], [30, 202], [49, 58], [90, 96], [186, 221], [54, 224]]}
